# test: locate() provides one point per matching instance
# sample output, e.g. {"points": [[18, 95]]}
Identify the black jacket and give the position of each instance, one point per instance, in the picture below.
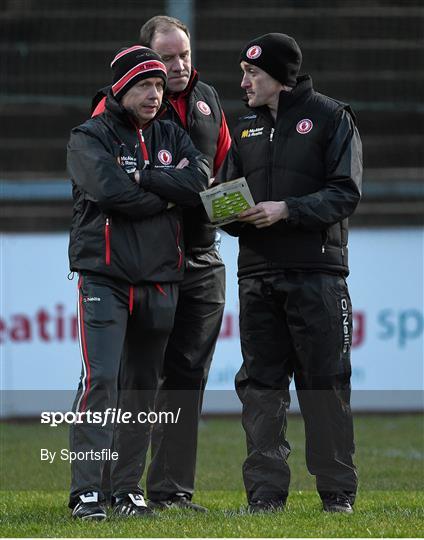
{"points": [[119, 228], [199, 234], [202, 128], [311, 158]]}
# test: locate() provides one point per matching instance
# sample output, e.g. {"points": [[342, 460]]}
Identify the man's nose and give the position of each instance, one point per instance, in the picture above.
{"points": [[245, 83], [154, 93], [177, 65]]}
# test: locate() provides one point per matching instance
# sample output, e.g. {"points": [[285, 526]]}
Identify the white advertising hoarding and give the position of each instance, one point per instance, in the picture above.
{"points": [[38, 336]]}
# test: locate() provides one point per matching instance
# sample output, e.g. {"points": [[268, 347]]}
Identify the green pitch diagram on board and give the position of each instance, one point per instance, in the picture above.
{"points": [[229, 204]]}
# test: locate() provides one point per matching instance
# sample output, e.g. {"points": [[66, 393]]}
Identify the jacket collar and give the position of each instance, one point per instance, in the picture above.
{"points": [[302, 90], [194, 77], [286, 100], [115, 109]]}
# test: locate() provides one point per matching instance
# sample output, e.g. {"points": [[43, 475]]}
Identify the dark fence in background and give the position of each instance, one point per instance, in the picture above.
{"points": [[55, 54]]}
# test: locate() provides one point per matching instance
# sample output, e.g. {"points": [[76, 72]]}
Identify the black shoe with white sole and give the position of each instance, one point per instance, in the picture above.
{"points": [[337, 502], [88, 507], [132, 504]]}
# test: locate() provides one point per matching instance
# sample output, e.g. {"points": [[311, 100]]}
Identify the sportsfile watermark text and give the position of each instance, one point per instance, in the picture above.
{"points": [[109, 416], [67, 455]]}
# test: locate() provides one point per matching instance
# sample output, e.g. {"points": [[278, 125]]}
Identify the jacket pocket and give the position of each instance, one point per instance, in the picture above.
{"points": [[343, 238], [107, 240]]}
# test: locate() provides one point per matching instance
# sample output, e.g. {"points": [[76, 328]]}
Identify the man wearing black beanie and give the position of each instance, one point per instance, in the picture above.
{"points": [[128, 169], [301, 155], [277, 54]]}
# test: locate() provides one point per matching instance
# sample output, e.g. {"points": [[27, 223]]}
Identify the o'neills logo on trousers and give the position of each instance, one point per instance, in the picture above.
{"points": [[345, 322]]}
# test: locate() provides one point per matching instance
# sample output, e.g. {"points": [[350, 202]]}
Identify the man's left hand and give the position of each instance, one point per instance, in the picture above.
{"points": [[183, 163], [265, 214]]}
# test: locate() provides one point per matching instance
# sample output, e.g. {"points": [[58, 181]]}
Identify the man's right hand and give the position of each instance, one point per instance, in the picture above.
{"points": [[265, 214]]}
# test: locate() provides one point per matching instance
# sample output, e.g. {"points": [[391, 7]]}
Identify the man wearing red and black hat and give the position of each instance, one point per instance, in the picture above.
{"points": [[130, 174], [301, 155], [195, 106]]}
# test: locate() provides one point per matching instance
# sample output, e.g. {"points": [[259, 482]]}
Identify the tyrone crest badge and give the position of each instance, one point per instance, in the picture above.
{"points": [[304, 126], [165, 157], [203, 108], [254, 52]]}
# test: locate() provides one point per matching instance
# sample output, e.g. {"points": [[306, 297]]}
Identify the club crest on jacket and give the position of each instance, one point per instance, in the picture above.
{"points": [[304, 126], [203, 108], [165, 157]]}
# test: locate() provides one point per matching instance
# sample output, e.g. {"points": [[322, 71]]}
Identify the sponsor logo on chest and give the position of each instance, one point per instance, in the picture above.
{"points": [[129, 163], [252, 132]]}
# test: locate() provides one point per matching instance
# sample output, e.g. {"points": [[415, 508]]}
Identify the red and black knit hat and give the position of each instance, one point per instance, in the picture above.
{"points": [[277, 54], [133, 64]]}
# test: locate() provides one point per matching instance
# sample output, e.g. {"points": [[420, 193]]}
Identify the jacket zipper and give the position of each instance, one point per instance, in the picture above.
{"points": [[180, 251], [324, 239], [341, 242], [143, 148], [271, 136], [107, 242], [142, 145]]}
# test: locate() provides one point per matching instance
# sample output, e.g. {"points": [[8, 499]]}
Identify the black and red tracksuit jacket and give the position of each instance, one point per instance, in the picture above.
{"points": [[122, 229], [202, 117]]}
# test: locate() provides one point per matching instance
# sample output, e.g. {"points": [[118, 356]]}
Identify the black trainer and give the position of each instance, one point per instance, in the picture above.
{"points": [[337, 502], [264, 506], [132, 504], [183, 502], [89, 507]]}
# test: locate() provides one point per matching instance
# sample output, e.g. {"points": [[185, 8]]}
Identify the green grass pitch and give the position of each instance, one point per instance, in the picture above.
{"points": [[390, 451]]}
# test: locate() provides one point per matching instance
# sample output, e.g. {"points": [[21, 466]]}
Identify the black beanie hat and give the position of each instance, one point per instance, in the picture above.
{"points": [[132, 64], [277, 54]]}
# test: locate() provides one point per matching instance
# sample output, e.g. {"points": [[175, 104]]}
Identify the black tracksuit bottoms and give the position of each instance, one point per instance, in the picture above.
{"points": [[187, 361], [116, 319], [296, 323]]}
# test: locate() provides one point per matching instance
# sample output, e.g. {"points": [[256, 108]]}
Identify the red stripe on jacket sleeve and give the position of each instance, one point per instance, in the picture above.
{"points": [[224, 143]]}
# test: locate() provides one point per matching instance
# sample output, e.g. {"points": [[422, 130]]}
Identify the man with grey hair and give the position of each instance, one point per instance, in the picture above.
{"points": [[195, 106]]}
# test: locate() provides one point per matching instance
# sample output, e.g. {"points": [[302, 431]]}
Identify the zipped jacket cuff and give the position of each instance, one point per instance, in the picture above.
{"points": [[294, 212], [145, 179]]}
